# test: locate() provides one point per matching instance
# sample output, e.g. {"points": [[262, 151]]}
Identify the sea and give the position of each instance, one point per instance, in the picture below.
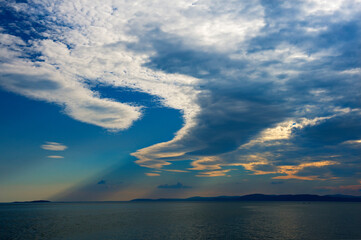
{"points": [[180, 220]]}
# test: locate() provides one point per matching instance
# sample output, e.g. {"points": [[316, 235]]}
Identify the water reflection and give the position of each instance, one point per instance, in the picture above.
{"points": [[181, 220]]}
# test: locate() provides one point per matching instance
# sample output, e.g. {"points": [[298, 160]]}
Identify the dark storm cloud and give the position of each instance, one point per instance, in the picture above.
{"points": [[230, 119], [321, 84], [173, 56], [241, 97], [234, 107], [332, 132]]}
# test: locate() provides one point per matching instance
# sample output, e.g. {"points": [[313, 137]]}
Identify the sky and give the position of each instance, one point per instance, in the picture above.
{"points": [[115, 99]]}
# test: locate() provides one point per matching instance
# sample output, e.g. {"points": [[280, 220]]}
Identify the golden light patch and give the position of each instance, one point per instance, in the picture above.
{"points": [[152, 174]]}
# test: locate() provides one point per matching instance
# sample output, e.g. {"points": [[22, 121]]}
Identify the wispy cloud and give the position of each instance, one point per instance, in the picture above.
{"points": [[218, 173], [353, 142], [152, 174], [55, 156], [54, 146]]}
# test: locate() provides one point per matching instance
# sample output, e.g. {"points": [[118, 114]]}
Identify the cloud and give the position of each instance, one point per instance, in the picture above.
{"points": [[218, 173], [292, 172], [346, 189], [353, 141], [261, 85], [53, 146], [55, 156], [152, 174], [278, 71], [102, 182], [70, 54], [178, 185], [283, 130]]}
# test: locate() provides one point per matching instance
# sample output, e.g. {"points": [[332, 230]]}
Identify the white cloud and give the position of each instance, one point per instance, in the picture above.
{"points": [[338, 9], [352, 71], [61, 74], [353, 142], [216, 24], [54, 146], [322, 6], [44, 81]]}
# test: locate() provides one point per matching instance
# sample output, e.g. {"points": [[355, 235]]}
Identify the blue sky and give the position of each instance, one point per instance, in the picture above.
{"points": [[115, 100]]}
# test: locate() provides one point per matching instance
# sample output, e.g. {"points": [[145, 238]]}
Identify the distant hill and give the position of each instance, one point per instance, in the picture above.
{"points": [[264, 197]]}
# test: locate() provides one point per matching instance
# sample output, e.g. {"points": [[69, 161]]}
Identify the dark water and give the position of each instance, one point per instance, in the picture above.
{"points": [[181, 220]]}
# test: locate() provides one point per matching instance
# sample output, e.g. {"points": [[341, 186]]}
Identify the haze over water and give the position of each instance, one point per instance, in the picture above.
{"points": [[181, 220]]}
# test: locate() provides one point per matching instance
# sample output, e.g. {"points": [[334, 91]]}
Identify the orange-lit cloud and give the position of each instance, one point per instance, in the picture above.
{"points": [[175, 170], [290, 171], [152, 174], [219, 173], [206, 163], [344, 188]]}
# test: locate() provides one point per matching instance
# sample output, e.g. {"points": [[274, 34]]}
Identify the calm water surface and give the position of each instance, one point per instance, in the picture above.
{"points": [[181, 220]]}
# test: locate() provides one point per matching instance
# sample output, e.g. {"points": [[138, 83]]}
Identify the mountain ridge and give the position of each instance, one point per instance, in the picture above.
{"points": [[263, 197]]}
